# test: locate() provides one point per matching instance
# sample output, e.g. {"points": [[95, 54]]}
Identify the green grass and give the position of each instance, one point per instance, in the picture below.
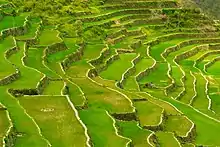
{"points": [[201, 101], [141, 50], [121, 65], [199, 54], [189, 87], [59, 56], [121, 44], [75, 95], [131, 84], [164, 137], [143, 64], [201, 64], [30, 135], [205, 135], [4, 125], [54, 88], [24, 81], [214, 69], [160, 71], [148, 113], [6, 68], [34, 60], [176, 72], [48, 37], [188, 145], [55, 66], [106, 137], [3, 2], [177, 75], [135, 133], [215, 102], [156, 50], [100, 97], [178, 124], [78, 69], [55, 116], [10, 21], [170, 110], [92, 51], [50, 115], [94, 23], [213, 91], [31, 31]]}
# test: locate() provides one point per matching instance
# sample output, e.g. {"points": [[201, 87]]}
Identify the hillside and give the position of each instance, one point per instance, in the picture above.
{"points": [[111, 73], [211, 7]]}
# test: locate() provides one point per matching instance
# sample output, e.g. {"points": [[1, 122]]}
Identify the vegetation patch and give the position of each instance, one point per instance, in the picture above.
{"points": [[108, 73]]}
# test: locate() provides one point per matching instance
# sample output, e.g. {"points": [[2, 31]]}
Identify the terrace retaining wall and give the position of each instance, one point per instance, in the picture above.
{"points": [[206, 55], [125, 116], [160, 126], [172, 86], [66, 63], [42, 84], [105, 52], [180, 35], [54, 48], [212, 62], [146, 72], [190, 53], [129, 72], [11, 78], [22, 92], [65, 91], [153, 139], [142, 4], [174, 48], [16, 31], [10, 139], [34, 40], [124, 51], [136, 44], [11, 51], [95, 71], [189, 138]]}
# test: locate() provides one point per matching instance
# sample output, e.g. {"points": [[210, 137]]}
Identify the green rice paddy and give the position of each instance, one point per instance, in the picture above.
{"points": [[150, 81]]}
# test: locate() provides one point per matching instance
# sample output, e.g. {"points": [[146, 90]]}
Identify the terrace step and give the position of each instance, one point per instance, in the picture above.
{"points": [[50, 113], [4, 125], [136, 83], [140, 4]]}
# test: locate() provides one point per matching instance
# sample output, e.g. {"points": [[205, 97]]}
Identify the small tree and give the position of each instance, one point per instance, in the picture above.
{"points": [[79, 28], [68, 30]]}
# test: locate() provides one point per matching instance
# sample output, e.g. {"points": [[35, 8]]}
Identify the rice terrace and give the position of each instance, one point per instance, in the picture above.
{"points": [[109, 73]]}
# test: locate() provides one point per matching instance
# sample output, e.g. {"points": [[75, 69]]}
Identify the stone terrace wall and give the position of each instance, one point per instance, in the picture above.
{"points": [[212, 62], [11, 78], [125, 116], [42, 84], [160, 126], [54, 48], [189, 138], [22, 92], [129, 72], [16, 31], [105, 52], [191, 52], [95, 71], [66, 63], [11, 138], [34, 40]]}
